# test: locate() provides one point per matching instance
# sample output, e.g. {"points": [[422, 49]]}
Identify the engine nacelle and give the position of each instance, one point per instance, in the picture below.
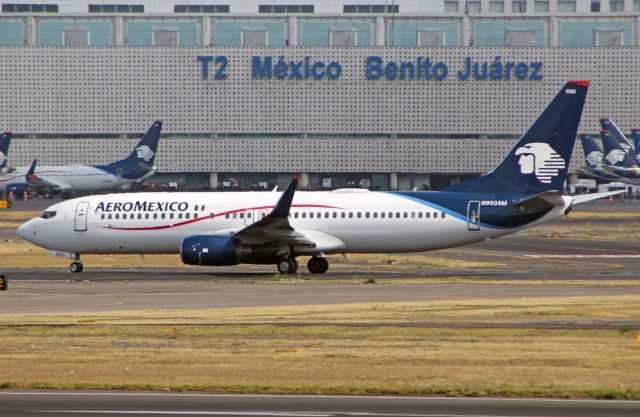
{"points": [[17, 189], [210, 250]]}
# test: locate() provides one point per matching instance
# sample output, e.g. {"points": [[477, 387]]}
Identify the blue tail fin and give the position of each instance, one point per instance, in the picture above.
{"points": [[635, 135], [593, 154], [615, 153], [540, 160], [607, 124], [140, 162], [5, 140]]}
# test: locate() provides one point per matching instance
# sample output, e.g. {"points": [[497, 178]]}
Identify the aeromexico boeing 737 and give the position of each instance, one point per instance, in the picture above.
{"points": [[224, 228], [621, 161], [72, 178], [595, 161]]}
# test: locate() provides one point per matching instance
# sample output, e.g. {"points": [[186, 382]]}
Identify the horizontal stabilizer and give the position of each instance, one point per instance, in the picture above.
{"points": [[578, 199], [541, 201]]}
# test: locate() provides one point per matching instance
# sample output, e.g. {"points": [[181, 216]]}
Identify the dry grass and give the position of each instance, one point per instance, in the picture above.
{"points": [[601, 232], [220, 351], [617, 215], [13, 219]]}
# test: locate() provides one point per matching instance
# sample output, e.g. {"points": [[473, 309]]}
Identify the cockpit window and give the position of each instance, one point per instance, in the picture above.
{"points": [[48, 214]]}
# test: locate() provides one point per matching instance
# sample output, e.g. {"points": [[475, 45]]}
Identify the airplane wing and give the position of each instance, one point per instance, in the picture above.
{"points": [[39, 184], [275, 227]]}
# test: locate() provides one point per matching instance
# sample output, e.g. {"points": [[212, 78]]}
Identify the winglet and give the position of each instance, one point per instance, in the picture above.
{"points": [[284, 203]]}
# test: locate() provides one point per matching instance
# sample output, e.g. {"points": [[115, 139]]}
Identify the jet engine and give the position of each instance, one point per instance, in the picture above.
{"points": [[210, 250], [18, 189]]}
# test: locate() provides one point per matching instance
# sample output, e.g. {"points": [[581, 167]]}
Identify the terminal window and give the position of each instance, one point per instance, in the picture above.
{"points": [[518, 6], [29, 8], [191, 8], [636, 5], [541, 6], [254, 37], [431, 37], [567, 6], [520, 37], [343, 37], [76, 37], [616, 5], [165, 37], [595, 6], [473, 7], [451, 6], [371, 8], [285, 8], [116, 8], [609, 37], [496, 7]]}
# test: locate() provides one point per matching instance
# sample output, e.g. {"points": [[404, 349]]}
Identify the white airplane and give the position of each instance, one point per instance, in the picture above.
{"points": [[73, 178], [228, 228]]}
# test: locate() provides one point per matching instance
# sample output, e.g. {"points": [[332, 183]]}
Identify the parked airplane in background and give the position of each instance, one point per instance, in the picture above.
{"points": [[5, 141], [607, 124], [635, 135], [72, 178], [620, 161], [594, 159], [223, 228]]}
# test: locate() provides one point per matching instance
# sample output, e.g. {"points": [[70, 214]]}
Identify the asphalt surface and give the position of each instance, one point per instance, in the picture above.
{"points": [[98, 404]]}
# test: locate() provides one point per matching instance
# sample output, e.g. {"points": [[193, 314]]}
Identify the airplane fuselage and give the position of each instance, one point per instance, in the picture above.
{"points": [[83, 178], [339, 222]]}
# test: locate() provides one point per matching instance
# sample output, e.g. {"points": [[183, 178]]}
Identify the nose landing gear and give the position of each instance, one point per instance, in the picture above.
{"points": [[76, 266]]}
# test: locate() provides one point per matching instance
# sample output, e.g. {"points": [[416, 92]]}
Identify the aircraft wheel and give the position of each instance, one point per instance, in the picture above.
{"points": [[287, 266], [76, 267], [318, 265]]}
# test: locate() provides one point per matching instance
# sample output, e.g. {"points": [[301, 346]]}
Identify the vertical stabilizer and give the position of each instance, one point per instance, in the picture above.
{"points": [[140, 162], [607, 124], [593, 154], [635, 135], [5, 140], [615, 152], [540, 160]]}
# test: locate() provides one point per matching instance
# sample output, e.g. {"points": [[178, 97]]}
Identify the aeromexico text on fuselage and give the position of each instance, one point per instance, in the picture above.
{"points": [[146, 206]]}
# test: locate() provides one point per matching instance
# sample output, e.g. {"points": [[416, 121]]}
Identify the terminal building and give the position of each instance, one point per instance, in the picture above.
{"points": [[383, 94]]}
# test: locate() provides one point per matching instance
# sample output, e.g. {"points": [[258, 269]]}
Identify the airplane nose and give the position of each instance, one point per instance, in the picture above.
{"points": [[26, 230]]}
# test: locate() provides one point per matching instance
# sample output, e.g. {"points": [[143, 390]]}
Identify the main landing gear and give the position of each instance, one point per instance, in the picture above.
{"points": [[316, 265], [76, 266], [288, 266]]}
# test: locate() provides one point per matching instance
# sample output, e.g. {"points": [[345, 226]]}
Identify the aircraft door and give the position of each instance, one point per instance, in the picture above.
{"points": [[252, 216], [82, 212], [473, 215]]}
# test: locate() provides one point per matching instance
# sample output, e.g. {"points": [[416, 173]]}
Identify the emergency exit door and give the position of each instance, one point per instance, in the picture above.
{"points": [[473, 215]]}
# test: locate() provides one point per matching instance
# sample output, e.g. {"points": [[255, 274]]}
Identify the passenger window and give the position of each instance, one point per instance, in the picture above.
{"points": [[311, 215], [234, 215], [162, 216], [155, 215], [375, 214], [359, 215], [427, 215], [139, 215], [304, 215], [295, 215], [171, 215], [406, 215], [249, 215], [146, 216], [179, 215], [351, 215], [366, 215], [124, 216], [319, 215], [390, 214], [335, 215], [397, 215], [435, 214], [110, 216], [343, 215], [382, 214], [226, 216], [212, 215], [413, 214], [188, 216], [443, 215], [117, 216], [326, 215], [241, 215], [419, 214], [102, 216]]}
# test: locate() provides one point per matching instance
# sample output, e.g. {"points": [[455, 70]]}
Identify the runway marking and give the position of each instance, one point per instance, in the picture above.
{"points": [[382, 397]]}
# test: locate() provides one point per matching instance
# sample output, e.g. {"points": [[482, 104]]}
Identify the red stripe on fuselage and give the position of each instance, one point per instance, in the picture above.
{"points": [[224, 213]]}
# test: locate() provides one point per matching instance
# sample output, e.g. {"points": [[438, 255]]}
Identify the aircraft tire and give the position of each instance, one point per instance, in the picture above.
{"points": [[318, 265], [287, 266], [76, 267]]}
